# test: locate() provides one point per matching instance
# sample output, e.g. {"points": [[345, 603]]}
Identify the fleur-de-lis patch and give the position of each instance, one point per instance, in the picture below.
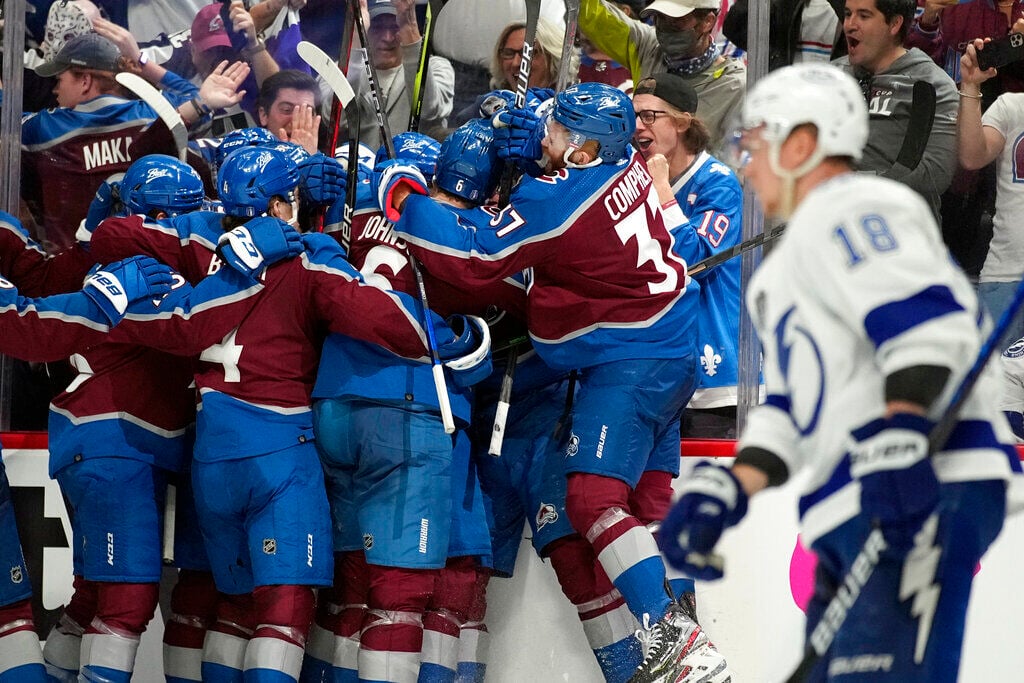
{"points": [[710, 360]]}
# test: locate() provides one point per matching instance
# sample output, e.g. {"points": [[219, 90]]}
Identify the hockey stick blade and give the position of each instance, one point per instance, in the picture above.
{"points": [[164, 109], [320, 61], [919, 127], [824, 633], [732, 252]]}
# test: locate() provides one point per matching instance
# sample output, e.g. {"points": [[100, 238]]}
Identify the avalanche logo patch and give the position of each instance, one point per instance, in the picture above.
{"points": [[546, 514], [573, 446], [269, 546], [367, 541], [16, 574]]}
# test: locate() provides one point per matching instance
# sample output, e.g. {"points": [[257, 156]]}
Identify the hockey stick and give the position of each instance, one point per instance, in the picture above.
{"points": [[419, 87], [440, 385], [522, 83], [158, 103], [867, 559], [919, 127], [319, 61], [565, 77], [343, 60], [170, 507], [732, 252]]}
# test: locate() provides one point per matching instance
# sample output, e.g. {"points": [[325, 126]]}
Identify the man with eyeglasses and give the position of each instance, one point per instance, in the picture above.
{"points": [[395, 42], [681, 41]]}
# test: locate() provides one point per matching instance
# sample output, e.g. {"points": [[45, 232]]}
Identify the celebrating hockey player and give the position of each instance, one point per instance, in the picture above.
{"points": [[868, 326], [607, 297]]}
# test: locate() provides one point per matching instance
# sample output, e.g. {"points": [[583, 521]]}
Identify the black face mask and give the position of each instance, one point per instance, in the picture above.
{"points": [[678, 44]]}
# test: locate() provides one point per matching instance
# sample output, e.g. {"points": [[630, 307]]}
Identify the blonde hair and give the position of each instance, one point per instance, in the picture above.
{"points": [[549, 38]]}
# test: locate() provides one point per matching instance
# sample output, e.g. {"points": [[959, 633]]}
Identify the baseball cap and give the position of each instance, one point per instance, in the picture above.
{"points": [[208, 29], [89, 50], [381, 7], [679, 8], [671, 88]]}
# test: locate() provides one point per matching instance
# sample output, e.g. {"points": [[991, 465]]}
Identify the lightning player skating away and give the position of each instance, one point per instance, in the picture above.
{"points": [[269, 533], [868, 325], [46, 330], [607, 297]]}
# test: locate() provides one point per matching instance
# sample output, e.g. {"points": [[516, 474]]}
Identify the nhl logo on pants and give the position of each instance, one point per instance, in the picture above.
{"points": [[16, 575], [367, 541], [269, 546]]}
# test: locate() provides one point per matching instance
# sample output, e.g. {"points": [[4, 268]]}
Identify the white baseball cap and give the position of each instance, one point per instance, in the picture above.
{"points": [[679, 8]]}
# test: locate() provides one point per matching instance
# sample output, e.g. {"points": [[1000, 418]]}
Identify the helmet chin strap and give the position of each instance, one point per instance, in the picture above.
{"points": [[789, 177], [572, 164]]}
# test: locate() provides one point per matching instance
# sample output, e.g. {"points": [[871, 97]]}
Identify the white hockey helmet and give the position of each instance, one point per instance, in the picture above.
{"points": [[819, 94]]}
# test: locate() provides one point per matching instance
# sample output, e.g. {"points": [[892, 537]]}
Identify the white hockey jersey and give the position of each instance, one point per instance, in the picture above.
{"points": [[859, 286]]}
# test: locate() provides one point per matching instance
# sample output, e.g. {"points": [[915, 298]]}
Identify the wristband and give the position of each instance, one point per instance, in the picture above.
{"points": [[201, 109], [260, 46], [967, 94]]}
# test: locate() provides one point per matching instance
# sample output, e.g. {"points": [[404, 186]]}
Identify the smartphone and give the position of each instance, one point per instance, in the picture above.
{"points": [[1001, 52], [238, 39]]}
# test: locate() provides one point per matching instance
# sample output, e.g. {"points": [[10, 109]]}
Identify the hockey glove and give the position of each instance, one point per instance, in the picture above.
{"points": [[897, 482], [119, 284], [322, 180], [491, 103], [473, 343], [388, 176], [518, 134], [261, 242], [536, 96], [105, 203], [712, 501]]}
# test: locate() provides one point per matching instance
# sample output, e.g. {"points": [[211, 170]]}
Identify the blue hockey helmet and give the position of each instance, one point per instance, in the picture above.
{"points": [[251, 176], [162, 183], [416, 148], [242, 137], [468, 164], [595, 111], [297, 153]]}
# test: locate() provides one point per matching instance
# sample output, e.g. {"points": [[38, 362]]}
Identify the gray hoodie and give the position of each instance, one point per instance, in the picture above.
{"points": [[891, 125]]}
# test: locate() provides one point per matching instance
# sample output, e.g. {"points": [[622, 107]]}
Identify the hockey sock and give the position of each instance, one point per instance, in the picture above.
{"points": [[448, 609], [474, 640], [392, 635], [606, 619], [112, 638], [21, 658], [193, 609], [651, 499], [628, 553], [283, 615], [333, 647], [316, 662], [227, 638], [62, 651]]}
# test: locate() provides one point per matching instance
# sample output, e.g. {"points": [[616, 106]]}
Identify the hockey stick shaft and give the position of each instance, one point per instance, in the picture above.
{"points": [[732, 252], [170, 509], [419, 89], [864, 564], [504, 402], [565, 76], [440, 385], [164, 109], [522, 84], [343, 60], [919, 127]]}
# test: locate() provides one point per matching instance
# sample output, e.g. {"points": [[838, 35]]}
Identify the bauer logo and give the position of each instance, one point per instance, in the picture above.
{"points": [[546, 514], [573, 447], [16, 574], [269, 546]]}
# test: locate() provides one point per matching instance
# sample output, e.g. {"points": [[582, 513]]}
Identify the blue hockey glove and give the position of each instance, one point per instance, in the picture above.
{"points": [[492, 102], [322, 180], [518, 134], [473, 345], [534, 97], [898, 485], [119, 284], [261, 242], [388, 177], [105, 203], [712, 501]]}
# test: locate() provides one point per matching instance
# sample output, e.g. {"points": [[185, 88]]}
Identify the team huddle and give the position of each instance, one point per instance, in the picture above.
{"points": [[323, 403]]}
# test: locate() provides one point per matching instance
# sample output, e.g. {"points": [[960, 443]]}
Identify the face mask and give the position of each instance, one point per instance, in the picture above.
{"points": [[678, 44]]}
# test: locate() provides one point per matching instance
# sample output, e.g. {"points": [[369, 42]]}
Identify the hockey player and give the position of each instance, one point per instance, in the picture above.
{"points": [[45, 330], [709, 195], [268, 534], [607, 297], [868, 326]]}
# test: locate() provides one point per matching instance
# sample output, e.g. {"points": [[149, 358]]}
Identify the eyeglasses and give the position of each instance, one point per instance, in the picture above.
{"points": [[507, 53], [649, 116]]}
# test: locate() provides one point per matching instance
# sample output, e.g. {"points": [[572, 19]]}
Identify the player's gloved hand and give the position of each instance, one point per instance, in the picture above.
{"points": [[898, 485], [473, 344], [261, 242], [119, 284], [492, 102], [712, 501], [322, 180], [391, 175], [104, 204], [518, 134], [534, 96]]}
